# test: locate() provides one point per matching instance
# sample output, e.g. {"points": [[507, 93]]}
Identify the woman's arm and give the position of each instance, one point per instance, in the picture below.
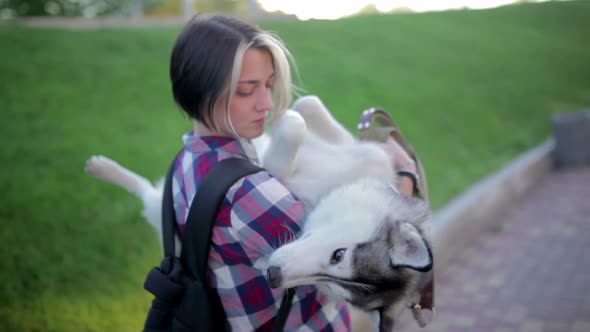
{"points": [[265, 214], [261, 215]]}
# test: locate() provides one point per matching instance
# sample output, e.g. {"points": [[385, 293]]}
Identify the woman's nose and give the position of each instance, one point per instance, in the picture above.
{"points": [[264, 102]]}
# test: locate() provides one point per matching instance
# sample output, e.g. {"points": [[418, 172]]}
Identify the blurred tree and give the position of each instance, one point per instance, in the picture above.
{"points": [[164, 8], [368, 9], [70, 7], [174, 7], [108, 7], [402, 9]]}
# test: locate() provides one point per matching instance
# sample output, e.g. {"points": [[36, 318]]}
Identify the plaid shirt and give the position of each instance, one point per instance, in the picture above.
{"points": [[256, 216]]}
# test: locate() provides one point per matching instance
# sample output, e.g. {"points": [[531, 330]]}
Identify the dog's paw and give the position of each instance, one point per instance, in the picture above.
{"points": [[308, 105], [99, 166], [290, 125]]}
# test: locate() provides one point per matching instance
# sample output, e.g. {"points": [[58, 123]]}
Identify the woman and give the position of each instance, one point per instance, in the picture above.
{"points": [[228, 76]]}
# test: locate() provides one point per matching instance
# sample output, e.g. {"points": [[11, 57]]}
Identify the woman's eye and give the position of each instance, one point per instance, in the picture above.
{"points": [[244, 93], [337, 256]]}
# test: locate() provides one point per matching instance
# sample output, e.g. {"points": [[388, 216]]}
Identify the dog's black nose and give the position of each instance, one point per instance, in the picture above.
{"points": [[273, 274]]}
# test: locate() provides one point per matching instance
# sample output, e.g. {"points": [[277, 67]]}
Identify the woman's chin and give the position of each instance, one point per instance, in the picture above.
{"points": [[253, 133]]}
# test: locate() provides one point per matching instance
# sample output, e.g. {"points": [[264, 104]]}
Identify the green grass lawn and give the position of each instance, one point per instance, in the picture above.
{"points": [[471, 89]]}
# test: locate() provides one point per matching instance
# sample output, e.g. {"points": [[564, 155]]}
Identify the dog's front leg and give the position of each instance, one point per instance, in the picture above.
{"points": [[320, 121], [286, 136]]}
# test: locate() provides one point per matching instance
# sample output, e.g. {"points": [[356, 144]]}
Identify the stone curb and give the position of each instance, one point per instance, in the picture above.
{"points": [[480, 207]]}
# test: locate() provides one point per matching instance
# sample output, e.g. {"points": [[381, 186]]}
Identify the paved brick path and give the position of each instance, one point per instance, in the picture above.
{"points": [[532, 275]]}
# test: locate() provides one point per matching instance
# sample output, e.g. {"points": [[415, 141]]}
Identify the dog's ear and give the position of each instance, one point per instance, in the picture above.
{"points": [[410, 249]]}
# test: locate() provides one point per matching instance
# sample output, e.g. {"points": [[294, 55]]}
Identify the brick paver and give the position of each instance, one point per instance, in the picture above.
{"points": [[532, 274]]}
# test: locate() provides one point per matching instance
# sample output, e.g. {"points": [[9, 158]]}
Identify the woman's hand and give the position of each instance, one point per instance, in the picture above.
{"points": [[401, 162]]}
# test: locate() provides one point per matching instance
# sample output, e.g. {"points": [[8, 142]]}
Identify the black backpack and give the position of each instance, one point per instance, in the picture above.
{"points": [[182, 300]]}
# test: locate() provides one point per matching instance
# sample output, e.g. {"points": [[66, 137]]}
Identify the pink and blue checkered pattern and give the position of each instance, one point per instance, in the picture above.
{"points": [[255, 217]]}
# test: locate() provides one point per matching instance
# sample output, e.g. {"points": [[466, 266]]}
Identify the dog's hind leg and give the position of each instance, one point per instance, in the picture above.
{"points": [[109, 170], [320, 121]]}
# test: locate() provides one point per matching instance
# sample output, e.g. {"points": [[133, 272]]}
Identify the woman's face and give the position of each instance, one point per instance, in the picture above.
{"points": [[252, 99]]}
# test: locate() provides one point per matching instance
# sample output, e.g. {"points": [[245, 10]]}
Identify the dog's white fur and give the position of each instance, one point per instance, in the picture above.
{"points": [[342, 181], [314, 154]]}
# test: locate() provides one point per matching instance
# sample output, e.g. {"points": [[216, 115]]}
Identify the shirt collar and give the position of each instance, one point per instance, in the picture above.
{"points": [[200, 140]]}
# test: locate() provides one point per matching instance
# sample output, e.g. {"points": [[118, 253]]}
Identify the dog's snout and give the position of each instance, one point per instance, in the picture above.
{"points": [[273, 274]]}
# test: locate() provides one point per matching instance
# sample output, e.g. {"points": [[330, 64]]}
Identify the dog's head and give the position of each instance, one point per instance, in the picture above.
{"points": [[364, 241]]}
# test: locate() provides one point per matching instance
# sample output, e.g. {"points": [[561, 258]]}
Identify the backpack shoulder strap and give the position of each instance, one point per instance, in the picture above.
{"points": [[203, 212], [168, 213]]}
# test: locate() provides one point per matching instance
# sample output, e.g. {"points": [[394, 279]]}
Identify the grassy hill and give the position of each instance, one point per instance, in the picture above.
{"points": [[471, 89]]}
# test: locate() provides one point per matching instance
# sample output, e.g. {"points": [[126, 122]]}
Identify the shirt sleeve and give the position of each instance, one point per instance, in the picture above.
{"points": [[264, 214]]}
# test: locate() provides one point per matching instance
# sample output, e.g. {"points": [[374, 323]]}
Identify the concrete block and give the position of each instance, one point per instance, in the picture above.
{"points": [[572, 139]]}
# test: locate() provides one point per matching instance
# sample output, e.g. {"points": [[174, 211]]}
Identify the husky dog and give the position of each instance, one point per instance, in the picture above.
{"points": [[362, 241]]}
